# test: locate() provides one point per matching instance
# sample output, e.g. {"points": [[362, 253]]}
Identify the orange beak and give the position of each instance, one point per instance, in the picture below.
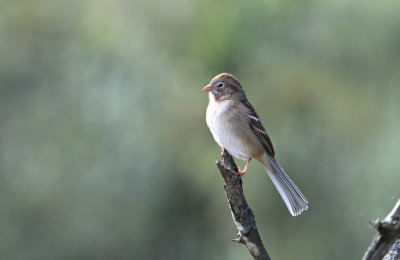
{"points": [[207, 88]]}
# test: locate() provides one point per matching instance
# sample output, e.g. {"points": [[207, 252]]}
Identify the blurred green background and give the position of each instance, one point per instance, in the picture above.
{"points": [[104, 149]]}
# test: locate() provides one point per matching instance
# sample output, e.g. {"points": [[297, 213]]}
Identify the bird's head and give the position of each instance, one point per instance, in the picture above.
{"points": [[225, 86]]}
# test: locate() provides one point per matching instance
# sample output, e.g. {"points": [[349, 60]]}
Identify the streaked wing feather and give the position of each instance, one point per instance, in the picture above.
{"points": [[259, 130]]}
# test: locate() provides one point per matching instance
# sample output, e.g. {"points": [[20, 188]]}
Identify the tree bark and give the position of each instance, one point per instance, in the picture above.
{"points": [[394, 252], [388, 232], [241, 213]]}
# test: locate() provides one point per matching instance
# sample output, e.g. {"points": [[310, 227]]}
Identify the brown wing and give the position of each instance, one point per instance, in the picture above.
{"points": [[259, 130]]}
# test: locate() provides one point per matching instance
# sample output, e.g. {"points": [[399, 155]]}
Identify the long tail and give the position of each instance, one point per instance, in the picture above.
{"points": [[291, 195]]}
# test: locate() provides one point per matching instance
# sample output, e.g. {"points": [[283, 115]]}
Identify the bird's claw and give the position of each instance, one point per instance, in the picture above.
{"points": [[241, 173], [222, 151]]}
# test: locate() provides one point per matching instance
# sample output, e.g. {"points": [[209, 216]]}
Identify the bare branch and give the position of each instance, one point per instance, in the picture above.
{"points": [[241, 213], [388, 232]]}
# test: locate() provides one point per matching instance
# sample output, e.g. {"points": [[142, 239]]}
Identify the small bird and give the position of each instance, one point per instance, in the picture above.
{"points": [[237, 128]]}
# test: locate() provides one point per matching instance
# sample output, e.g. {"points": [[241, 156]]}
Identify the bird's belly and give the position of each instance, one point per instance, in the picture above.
{"points": [[237, 138], [234, 146]]}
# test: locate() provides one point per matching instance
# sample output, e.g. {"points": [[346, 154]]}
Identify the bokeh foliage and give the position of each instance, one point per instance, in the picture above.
{"points": [[104, 150]]}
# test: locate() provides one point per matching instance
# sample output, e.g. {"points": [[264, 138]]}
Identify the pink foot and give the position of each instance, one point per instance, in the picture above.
{"points": [[222, 151], [242, 173]]}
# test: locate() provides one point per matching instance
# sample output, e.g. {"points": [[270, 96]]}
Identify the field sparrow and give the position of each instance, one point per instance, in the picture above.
{"points": [[237, 128]]}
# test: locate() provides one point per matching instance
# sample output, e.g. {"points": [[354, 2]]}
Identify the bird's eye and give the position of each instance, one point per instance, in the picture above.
{"points": [[220, 85]]}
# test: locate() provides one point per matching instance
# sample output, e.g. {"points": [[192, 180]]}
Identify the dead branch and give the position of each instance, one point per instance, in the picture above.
{"points": [[241, 213]]}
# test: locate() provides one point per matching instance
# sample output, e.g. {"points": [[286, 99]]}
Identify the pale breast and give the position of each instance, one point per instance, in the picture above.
{"points": [[229, 126]]}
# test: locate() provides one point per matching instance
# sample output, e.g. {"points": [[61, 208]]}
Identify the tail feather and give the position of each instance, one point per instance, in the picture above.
{"points": [[291, 195]]}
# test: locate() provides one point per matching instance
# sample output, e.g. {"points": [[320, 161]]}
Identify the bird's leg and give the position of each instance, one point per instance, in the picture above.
{"points": [[241, 173], [222, 151]]}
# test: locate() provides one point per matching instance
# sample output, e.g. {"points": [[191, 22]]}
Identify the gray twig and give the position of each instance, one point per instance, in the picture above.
{"points": [[241, 213], [388, 232]]}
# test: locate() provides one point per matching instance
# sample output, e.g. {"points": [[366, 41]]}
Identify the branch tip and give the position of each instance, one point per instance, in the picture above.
{"points": [[388, 232]]}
